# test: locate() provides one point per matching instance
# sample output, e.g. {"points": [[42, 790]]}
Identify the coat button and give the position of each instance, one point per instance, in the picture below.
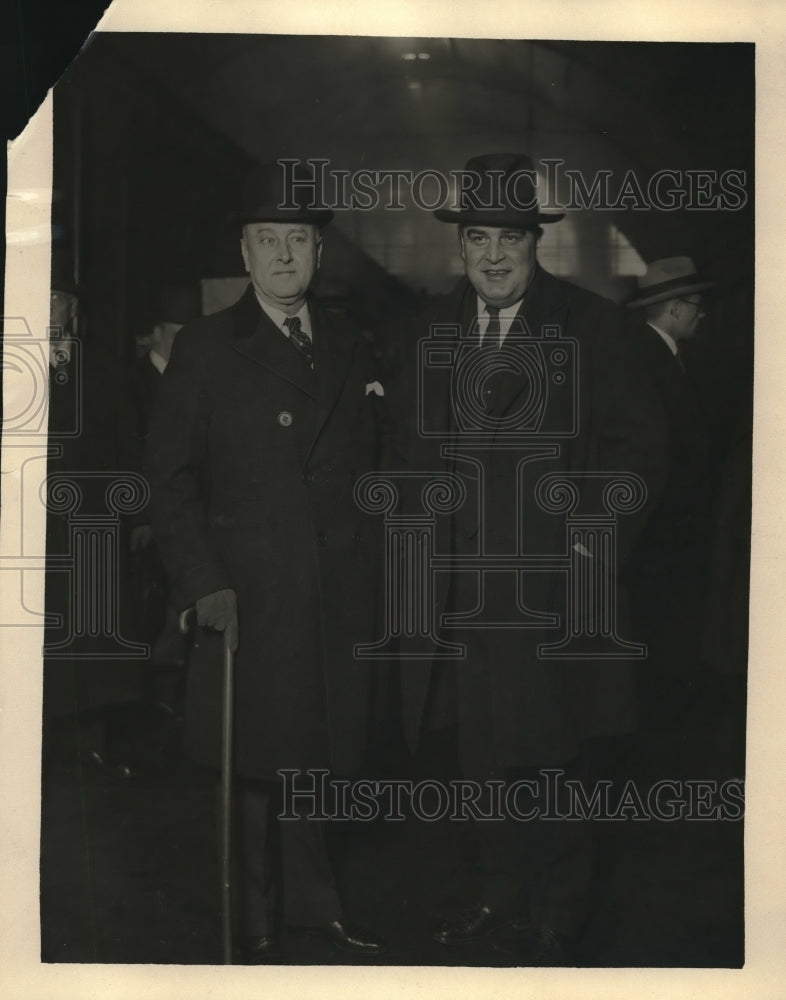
{"points": [[357, 536], [285, 418], [322, 538], [308, 478]]}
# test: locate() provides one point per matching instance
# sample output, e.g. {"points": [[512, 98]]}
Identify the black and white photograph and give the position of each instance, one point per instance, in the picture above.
{"points": [[385, 481]]}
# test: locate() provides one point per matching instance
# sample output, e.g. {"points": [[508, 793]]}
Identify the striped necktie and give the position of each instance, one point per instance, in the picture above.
{"points": [[300, 340]]}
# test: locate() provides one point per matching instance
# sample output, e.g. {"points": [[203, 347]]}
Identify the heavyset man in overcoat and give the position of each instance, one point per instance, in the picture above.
{"points": [[266, 418], [511, 711]]}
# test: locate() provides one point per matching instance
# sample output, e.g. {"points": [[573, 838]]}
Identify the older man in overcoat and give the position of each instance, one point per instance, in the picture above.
{"points": [[529, 377], [265, 419]]}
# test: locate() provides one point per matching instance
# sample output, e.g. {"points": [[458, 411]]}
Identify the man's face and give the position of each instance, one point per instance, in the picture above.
{"points": [[686, 313], [500, 263], [62, 309], [282, 258]]}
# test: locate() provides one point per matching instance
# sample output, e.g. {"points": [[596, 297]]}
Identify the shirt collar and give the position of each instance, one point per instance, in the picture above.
{"points": [[278, 316], [158, 361], [667, 338], [504, 314]]}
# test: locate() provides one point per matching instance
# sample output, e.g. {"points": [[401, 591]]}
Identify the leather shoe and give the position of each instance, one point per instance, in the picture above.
{"points": [[478, 922], [262, 950], [345, 937]]}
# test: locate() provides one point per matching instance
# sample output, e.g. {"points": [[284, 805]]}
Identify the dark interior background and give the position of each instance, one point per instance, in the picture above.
{"points": [[154, 133]]}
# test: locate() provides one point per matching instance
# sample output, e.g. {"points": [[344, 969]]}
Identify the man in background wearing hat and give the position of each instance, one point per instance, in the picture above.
{"points": [[172, 308], [667, 574], [264, 422], [508, 712]]}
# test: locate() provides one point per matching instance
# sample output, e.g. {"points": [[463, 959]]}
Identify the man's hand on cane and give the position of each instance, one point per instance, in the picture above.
{"points": [[219, 611]]}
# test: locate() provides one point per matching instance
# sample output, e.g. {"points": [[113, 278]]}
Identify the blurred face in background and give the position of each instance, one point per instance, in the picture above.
{"points": [[62, 309], [282, 259], [686, 315]]}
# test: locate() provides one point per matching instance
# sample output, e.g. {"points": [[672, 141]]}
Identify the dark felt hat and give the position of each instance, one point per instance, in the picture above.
{"points": [[668, 278], [269, 195], [504, 194]]}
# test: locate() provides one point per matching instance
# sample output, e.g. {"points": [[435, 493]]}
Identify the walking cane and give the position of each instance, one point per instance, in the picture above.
{"points": [[186, 621]]}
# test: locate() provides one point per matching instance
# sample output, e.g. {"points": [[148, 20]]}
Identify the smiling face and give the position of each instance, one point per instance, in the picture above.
{"points": [[282, 259], [500, 263]]}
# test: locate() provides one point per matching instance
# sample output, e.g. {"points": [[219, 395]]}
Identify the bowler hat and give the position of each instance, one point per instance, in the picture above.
{"points": [[668, 278], [504, 194], [274, 192]]}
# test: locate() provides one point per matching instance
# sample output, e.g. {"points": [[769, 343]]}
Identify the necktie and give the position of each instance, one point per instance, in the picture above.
{"points": [[491, 336], [300, 340], [680, 362]]}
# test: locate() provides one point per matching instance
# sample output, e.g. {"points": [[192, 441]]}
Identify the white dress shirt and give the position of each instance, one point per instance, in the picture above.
{"points": [[667, 339], [278, 317], [506, 317]]}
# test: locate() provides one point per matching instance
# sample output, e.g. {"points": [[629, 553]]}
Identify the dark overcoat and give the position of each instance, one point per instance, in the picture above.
{"points": [[667, 574], [252, 460], [539, 709]]}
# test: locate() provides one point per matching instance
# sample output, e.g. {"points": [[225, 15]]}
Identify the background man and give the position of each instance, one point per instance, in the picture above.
{"points": [[668, 570], [92, 436], [263, 424], [173, 307], [510, 712]]}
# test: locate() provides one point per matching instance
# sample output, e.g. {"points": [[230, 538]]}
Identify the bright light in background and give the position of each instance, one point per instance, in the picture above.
{"points": [[412, 56], [625, 258]]}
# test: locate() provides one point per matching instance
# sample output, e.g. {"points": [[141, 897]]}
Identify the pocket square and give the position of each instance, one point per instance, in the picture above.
{"points": [[374, 387]]}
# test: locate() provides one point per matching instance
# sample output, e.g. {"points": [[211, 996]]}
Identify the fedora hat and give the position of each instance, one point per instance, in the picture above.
{"points": [[267, 197], [504, 195], [668, 278]]}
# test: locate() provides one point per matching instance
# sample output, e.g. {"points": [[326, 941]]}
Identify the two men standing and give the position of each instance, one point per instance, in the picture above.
{"points": [[265, 422]]}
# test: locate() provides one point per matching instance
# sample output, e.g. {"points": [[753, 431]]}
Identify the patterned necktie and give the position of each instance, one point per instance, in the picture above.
{"points": [[300, 340], [491, 336]]}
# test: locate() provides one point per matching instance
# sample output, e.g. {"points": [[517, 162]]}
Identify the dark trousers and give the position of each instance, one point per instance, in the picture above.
{"points": [[282, 869], [540, 868]]}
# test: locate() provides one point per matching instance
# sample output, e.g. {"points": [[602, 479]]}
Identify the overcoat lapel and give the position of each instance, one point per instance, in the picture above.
{"points": [[257, 338], [542, 305], [334, 352]]}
